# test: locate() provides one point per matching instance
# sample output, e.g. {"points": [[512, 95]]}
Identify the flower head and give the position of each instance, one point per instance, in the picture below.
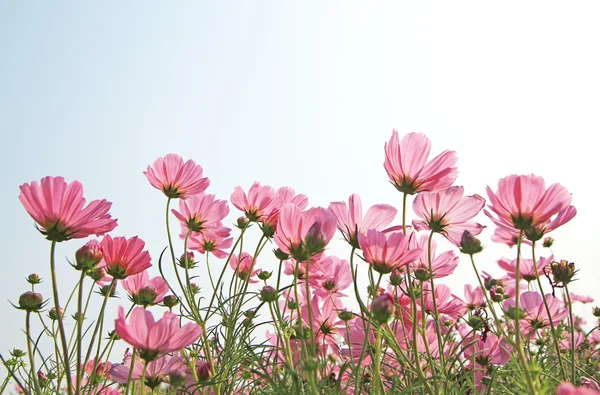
{"points": [[144, 291], [154, 339], [201, 212], [258, 203], [124, 257], [408, 169], [58, 208], [175, 178], [387, 251]]}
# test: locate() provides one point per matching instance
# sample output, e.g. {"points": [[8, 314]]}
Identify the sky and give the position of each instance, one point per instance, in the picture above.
{"points": [[301, 94]]}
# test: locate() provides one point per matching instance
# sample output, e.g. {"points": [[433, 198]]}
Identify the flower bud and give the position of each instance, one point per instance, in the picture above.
{"points": [[383, 307], [31, 301], [497, 293], [268, 230], [345, 315], [53, 315], [596, 311], [314, 242], [292, 304], [97, 274], [170, 301], [242, 222], [548, 241], [17, 353], [42, 379], [396, 277], [279, 254], [421, 272], [203, 370], [78, 317], [146, 296], [88, 256], [107, 290], [34, 279], [268, 294], [250, 313], [476, 322], [469, 244], [562, 271], [194, 289], [187, 260], [263, 275]]}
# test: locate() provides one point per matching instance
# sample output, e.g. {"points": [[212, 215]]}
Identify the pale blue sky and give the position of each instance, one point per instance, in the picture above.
{"points": [[303, 94]]}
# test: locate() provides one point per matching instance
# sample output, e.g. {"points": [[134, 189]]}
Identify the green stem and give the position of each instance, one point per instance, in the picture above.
{"points": [[405, 195], [61, 327], [100, 319], [143, 383], [79, 326], [376, 363], [34, 376], [435, 309], [572, 334]]}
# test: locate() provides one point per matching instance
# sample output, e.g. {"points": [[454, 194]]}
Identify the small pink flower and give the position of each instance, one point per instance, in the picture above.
{"points": [[124, 257], [201, 212], [565, 342], [153, 339], [447, 303], [58, 209], [259, 202], [565, 388], [350, 219], [492, 350], [157, 371], [175, 178], [243, 265], [474, 297], [526, 269], [145, 291], [523, 203], [386, 252], [329, 277], [304, 233], [536, 316], [442, 265], [581, 298], [408, 169], [213, 241], [448, 213]]}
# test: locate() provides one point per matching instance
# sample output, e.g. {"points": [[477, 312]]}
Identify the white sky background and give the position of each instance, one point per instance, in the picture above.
{"points": [[302, 94]]}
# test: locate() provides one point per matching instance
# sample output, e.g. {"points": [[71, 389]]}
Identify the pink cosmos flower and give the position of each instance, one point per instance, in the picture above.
{"points": [[243, 265], [351, 222], [527, 270], [201, 212], [565, 342], [259, 202], [448, 213], [304, 233], [386, 252], [330, 276], [286, 195], [536, 316], [157, 371], [442, 265], [408, 169], [565, 388], [523, 203], [213, 241], [175, 178], [57, 207], [145, 291], [447, 303], [474, 298], [581, 298], [124, 257], [153, 339], [492, 350]]}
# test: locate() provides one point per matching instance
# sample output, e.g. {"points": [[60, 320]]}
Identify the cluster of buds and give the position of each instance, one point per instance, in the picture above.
{"points": [[562, 272]]}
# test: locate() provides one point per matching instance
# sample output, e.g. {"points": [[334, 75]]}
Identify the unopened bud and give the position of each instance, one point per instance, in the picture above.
{"points": [[469, 244], [383, 307], [203, 371], [314, 241], [279, 254], [108, 290], [263, 275], [476, 322], [268, 294], [268, 230], [177, 378], [17, 353], [596, 312], [562, 271], [242, 222], [53, 315], [88, 256], [345, 315], [548, 241], [194, 289], [497, 294], [186, 260], [34, 279], [31, 301], [146, 296], [170, 301], [421, 272], [396, 277]]}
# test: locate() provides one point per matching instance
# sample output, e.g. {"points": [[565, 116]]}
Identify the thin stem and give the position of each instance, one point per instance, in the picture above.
{"points": [[435, 309], [79, 326], [377, 363], [404, 213], [61, 327], [143, 383], [100, 319], [572, 334], [36, 382]]}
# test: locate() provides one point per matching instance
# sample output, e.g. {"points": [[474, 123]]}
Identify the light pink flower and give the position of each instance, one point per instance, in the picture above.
{"points": [[259, 202], [153, 339], [304, 233], [442, 265], [58, 208], [565, 388], [145, 291], [201, 212], [408, 169], [447, 303], [175, 178], [124, 257], [329, 277], [565, 342], [474, 298], [526, 269], [157, 371], [523, 203], [581, 298], [491, 351], [243, 265], [350, 219], [286, 195], [213, 241], [386, 252], [536, 316], [448, 213]]}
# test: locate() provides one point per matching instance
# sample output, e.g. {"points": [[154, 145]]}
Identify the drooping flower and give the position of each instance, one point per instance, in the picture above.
{"points": [[408, 169], [350, 220], [258, 203], [145, 291], [124, 257], [387, 251], [448, 212], [523, 203], [304, 233], [153, 339], [201, 212], [58, 208], [175, 178]]}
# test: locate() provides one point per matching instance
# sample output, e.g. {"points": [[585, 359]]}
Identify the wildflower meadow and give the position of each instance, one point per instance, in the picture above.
{"points": [[375, 320]]}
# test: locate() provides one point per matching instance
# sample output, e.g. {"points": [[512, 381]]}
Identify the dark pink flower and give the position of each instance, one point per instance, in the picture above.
{"points": [[386, 252], [350, 219], [408, 169], [523, 203], [124, 257], [448, 212], [175, 178], [59, 210], [145, 291], [492, 350], [153, 339]]}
